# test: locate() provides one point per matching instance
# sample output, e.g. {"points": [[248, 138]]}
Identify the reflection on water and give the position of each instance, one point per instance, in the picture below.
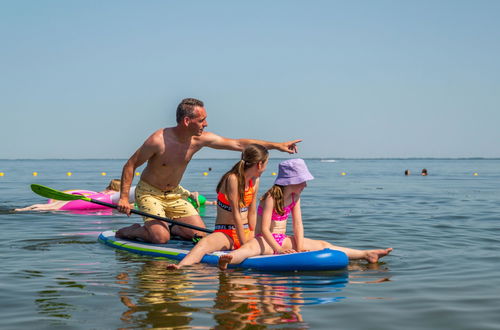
{"points": [[46, 244], [156, 297], [365, 273], [246, 298], [52, 300], [49, 304], [152, 296], [108, 211]]}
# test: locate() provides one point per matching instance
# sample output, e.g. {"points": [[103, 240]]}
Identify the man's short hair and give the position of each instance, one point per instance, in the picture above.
{"points": [[186, 108]]}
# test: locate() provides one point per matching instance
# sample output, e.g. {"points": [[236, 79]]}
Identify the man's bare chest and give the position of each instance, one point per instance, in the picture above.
{"points": [[175, 156]]}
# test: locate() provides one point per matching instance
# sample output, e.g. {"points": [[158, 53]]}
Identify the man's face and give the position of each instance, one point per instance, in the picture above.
{"points": [[199, 122]]}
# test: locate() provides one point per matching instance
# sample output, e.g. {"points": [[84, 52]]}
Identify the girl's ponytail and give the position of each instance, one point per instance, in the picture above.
{"points": [[240, 176]]}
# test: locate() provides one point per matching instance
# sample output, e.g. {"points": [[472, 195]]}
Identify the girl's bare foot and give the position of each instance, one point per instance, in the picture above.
{"points": [[372, 256], [224, 260]]}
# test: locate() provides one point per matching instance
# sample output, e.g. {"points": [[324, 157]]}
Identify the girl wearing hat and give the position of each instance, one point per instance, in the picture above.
{"points": [[237, 204], [277, 204]]}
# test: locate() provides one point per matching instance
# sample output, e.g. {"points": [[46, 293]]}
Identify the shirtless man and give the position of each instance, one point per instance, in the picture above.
{"points": [[167, 153]]}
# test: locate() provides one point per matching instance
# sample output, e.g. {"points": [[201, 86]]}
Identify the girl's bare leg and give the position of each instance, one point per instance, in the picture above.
{"points": [[254, 247], [54, 206], [371, 256], [210, 243]]}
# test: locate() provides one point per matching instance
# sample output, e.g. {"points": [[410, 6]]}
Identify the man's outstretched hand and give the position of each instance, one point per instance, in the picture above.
{"points": [[290, 146]]}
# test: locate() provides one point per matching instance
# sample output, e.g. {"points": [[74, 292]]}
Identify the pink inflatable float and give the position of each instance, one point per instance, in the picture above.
{"points": [[77, 205], [83, 205]]}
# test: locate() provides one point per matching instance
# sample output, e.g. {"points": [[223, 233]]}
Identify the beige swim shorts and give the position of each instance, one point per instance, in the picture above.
{"points": [[171, 203]]}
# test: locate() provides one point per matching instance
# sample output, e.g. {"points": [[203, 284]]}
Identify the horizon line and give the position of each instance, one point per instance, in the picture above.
{"points": [[311, 158]]}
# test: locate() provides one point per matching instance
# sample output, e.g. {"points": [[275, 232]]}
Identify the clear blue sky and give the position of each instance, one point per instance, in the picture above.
{"points": [[92, 79]]}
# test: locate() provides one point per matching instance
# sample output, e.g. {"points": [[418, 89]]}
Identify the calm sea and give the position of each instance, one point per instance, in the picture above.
{"points": [[444, 272]]}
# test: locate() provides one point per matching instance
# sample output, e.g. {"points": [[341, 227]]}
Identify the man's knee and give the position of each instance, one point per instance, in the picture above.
{"points": [[157, 238], [157, 233]]}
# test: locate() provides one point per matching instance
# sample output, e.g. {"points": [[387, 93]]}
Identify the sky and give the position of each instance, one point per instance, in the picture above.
{"points": [[353, 79]]}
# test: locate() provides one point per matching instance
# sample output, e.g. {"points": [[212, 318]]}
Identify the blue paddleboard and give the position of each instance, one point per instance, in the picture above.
{"points": [[326, 259]]}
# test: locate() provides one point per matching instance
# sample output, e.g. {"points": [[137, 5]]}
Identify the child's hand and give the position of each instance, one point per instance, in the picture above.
{"points": [[287, 251]]}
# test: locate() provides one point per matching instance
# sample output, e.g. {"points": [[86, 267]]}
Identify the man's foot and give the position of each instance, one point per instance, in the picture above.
{"points": [[125, 231], [173, 266], [372, 256], [224, 260]]}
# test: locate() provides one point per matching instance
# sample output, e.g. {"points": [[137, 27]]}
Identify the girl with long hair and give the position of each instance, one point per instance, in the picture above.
{"points": [[236, 206]]}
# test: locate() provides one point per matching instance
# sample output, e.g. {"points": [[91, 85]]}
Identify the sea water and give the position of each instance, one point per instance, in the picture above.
{"points": [[444, 272]]}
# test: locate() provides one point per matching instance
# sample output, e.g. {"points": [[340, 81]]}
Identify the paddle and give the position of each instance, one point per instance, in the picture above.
{"points": [[62, 196]]}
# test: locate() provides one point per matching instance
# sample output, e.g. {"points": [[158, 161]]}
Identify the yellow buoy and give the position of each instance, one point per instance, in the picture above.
{"points": [[69, 174], [205, 173], [2, 173], [35, 173], [343, 173], [475, 174], [273, 174], [137, 173], [103, 173]]}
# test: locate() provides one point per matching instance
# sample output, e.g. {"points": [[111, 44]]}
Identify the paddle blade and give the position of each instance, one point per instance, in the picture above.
{"points": [[55, 194]]}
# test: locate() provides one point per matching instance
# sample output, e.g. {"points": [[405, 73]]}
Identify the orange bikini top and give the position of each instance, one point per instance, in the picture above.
{"points": [[223, 202]]}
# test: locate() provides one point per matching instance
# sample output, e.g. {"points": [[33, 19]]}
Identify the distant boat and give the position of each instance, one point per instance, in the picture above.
{"points": [[328, 161]]}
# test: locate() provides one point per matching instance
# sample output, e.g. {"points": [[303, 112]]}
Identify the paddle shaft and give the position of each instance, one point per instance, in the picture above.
{"points": [[144, 214], [62, 196]]}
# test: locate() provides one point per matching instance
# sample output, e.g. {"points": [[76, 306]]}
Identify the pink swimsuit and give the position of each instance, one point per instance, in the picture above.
{"points": [[279, 238]]}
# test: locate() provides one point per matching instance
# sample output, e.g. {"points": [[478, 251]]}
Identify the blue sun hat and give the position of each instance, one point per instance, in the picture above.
{"points": [[293, 171]]}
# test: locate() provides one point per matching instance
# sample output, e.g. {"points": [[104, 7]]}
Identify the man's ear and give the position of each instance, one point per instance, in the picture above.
{"points": [[185, 121]]}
